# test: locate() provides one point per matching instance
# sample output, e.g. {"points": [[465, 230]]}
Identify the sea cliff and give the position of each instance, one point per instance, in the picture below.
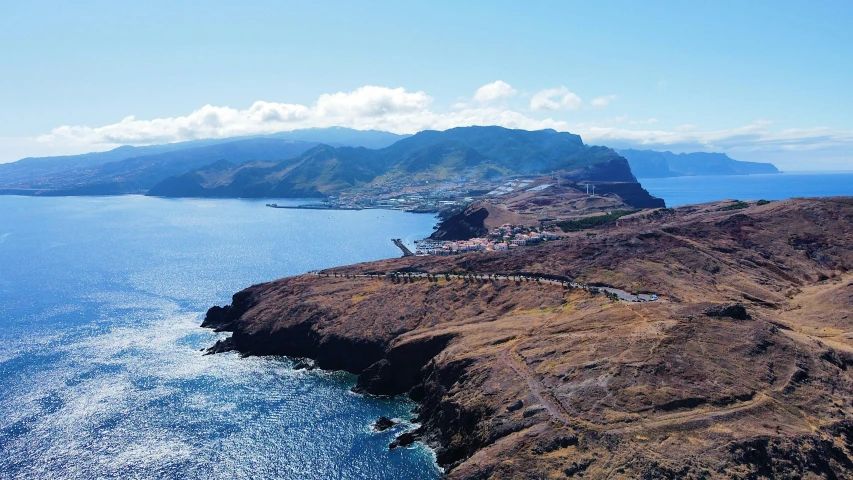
{"points": [[740, 370]]}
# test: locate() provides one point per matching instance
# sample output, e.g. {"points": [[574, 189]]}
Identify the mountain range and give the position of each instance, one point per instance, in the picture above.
{"points": [[130, 169], [654, 164], [459, 153], [326, 161]]}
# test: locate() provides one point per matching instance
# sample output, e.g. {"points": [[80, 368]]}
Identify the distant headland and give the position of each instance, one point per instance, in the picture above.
{"points": [[431, 171]]}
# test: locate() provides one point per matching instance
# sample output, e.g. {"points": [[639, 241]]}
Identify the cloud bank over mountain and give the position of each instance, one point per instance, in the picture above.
{"points": [[401, 111]]}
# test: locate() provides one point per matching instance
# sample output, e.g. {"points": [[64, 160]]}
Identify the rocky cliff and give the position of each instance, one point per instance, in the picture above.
{"points": [[652, 164], [537, 206], [741, 370], [632, 193]]}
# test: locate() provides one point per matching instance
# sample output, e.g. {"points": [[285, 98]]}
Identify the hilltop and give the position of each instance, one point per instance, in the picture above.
{"points": [[739, 370]]}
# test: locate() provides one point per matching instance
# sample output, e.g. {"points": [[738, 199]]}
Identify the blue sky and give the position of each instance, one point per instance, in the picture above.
{"points": [[766, 81]]}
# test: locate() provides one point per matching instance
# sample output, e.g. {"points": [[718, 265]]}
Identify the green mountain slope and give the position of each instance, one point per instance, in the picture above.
{"points": [[469, 152], [136, 169]]}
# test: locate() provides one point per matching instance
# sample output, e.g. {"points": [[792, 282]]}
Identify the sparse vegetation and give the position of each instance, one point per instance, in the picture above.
{"points": [[736, 205], [592, 222], [762, 202], [662, 211], [500, 348]]}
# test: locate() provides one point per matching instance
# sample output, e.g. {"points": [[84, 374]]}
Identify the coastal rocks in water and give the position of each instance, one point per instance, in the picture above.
{"points": [[736, 311], [222, 319], [221, 346], [383, 423], [216, 317], [405, 439], [304, 364]]}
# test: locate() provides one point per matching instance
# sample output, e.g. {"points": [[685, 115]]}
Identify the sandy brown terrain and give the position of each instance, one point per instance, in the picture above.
{"points": [[741, 370], [554, 202]]}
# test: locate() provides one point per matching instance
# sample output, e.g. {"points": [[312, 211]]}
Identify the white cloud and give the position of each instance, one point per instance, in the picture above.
{"points": [[392, 109], [370, 101], [601, 102], [555, 99], [648, 121], [757, 136], [497, 90], [401, 111]]}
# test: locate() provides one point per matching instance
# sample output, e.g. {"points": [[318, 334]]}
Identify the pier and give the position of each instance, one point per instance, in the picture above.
{"points": [[406, 251], [313, 206]]}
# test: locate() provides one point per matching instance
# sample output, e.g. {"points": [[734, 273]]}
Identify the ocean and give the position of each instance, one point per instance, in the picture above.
{"points": [[678, 191], [101, 373]]}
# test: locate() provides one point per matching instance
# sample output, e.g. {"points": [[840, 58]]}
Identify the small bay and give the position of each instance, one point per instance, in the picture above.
{"points": [[101, 373]]}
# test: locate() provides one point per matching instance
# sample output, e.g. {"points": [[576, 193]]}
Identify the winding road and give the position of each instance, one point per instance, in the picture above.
{"points": [[620, 294]]}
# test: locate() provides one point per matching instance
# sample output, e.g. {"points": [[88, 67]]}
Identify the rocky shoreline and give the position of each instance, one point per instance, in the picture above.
{"points": [[381, 370], [725, 379]]}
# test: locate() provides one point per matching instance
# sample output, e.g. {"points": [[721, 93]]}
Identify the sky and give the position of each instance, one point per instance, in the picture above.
{"points": [[763, 81]]}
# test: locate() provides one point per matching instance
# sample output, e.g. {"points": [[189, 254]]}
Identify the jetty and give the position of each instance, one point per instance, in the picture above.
{"points": [[314, 206], [406, 251]]}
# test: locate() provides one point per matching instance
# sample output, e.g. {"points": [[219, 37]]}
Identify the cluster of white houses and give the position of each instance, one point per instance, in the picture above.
{"points": [[506, 237]]}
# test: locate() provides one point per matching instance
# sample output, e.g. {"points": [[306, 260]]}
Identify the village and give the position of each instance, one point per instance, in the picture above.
{"points": [[500, 239]]}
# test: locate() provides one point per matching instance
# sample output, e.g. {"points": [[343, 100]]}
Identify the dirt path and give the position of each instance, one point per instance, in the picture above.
{"points": [[542, 395], [694, 415]]}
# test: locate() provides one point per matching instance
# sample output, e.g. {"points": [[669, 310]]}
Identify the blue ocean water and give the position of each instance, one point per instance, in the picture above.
{"points": [[100, 370], [687, 190]]}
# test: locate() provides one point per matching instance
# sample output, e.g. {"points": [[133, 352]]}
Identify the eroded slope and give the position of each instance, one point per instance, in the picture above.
{"points": [[526, 379]]}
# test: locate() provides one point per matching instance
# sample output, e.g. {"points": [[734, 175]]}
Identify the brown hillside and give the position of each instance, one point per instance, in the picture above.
{"points": [[525, 379]]}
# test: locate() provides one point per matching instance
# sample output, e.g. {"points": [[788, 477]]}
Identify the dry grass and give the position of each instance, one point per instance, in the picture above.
{"points": [[654, 390]]}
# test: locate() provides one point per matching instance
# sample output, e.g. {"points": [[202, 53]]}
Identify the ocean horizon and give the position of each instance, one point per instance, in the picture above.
{"points": [[677, 191]]}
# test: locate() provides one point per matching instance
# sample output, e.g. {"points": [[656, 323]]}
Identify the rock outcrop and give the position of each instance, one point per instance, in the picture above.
{"points": [[466, 224], [631, 193]]}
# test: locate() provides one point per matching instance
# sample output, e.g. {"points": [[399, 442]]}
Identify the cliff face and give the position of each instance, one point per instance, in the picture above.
{"points": [[543, 207], [631, 193], [466, 224], [740, 371], [652, 164], [613, 170]]}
